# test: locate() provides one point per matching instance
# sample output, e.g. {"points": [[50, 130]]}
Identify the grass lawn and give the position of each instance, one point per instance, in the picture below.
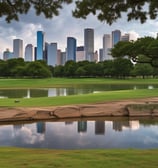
{"points": [[115, 158], [59, 82]]}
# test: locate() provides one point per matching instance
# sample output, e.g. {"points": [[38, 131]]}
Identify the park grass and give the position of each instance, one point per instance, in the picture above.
{"points": [[44, 158], [105, 96], [65, 82]]}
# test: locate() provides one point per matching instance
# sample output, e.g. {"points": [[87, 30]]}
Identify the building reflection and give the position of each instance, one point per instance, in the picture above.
{"points": [[68, 123], [119, 125], [41, 127], [17, 126], [100, 127], [82, 126]]}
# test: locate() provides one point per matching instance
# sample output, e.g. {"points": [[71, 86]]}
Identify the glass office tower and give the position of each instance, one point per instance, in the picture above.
{"points": [[40, 45], [71, 49], [89, 44], [116, 37]]}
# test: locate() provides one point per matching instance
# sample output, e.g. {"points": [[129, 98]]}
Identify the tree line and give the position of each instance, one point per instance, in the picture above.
{"points": [[117, 68]]}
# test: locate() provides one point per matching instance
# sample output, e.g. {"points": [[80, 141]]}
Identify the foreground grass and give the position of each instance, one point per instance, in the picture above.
{"points": [[80, 99], [60, 82], [37, 158]]}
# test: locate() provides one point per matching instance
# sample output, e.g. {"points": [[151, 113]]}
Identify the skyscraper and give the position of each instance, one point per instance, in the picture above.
{"points": [[107, 45], [80, 53], [125, 37], [40, 45], [71, 49], [7, 54], [116, 37], [52, 54], [29, 53], [18, 48], [89, 44]]}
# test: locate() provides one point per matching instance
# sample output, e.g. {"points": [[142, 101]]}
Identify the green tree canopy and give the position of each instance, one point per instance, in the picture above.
{"points": [[144, 50], [104, 10]]}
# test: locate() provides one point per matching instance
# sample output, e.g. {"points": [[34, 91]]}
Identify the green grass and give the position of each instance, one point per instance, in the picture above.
{"points": [[80, 99], [59, 82], [37, 158]]}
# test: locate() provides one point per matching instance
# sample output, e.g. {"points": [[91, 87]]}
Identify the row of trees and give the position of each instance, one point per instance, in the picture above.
{"points": [[19, 68], [119, 68]]}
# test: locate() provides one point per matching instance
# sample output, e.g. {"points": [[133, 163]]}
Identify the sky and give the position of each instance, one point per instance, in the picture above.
{"points": [[60, 27]]}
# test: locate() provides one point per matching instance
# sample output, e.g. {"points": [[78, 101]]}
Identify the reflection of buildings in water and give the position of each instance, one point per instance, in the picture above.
{"points": [[118, 125], [99, 127], [134, 125], [82, 126], [41, 127], [68, 123], [28, 94], [17, 127], [56, 92]]}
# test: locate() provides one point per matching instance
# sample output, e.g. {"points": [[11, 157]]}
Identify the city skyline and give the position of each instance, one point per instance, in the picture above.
{"points": [[58, 28], [53, 55]]}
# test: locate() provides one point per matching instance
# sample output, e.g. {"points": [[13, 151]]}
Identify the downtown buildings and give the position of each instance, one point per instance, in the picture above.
{"points": [[50, 52]]}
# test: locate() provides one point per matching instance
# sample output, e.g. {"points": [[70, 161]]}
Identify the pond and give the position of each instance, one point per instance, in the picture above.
{"points": [[80, 89], [98, 133]]}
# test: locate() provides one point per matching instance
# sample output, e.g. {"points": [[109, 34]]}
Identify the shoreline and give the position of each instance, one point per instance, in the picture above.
{"points": [[125, 108]]}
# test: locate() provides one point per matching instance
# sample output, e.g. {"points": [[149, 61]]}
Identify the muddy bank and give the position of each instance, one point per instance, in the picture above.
{"points": [[130, 108]]}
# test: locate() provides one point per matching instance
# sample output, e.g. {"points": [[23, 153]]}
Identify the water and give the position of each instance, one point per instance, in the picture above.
{"points": [[101, 133], [81, 89]]}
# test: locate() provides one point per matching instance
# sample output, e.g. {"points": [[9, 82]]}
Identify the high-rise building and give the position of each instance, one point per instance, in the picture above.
{"points": [[125, 37], [89, 44], [101, 58], [71, 49], [29, 53], [58, 57], [80, 54], [7, 55], [40, 45], [116, 37], [18, 48], [52, 54], [63, 58], [107, 45]]}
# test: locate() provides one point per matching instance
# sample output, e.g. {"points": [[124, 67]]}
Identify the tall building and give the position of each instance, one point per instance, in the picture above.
{"points": [[18, 48], [107, 45], [63, 58], [116, 37], [40, 45], [89, 44], [7, 55], [125, 37], [80, 54], [71, 49], [29, 53], [58, 57], [101, 58], [52, 54]]}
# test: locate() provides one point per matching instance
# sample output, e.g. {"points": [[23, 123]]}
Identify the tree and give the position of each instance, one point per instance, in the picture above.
{"points": [[122, 67], [143, 70], [37, 70], [144, 50], [105, 10]]}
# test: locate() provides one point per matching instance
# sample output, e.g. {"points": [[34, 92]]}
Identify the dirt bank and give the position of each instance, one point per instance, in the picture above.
{"points": [[131, 108]]}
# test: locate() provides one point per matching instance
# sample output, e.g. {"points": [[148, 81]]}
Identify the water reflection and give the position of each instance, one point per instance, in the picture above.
{"points": [[81, 134], [80, 89]]}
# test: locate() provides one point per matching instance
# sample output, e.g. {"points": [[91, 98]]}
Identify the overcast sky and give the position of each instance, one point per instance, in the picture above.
{"points": [[59, 28]]}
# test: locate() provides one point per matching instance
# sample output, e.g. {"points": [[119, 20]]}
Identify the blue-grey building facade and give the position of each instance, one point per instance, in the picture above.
{"points": [[40, 45], [71, 49]]}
